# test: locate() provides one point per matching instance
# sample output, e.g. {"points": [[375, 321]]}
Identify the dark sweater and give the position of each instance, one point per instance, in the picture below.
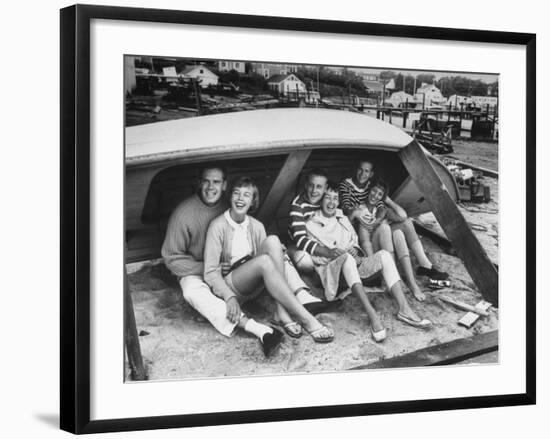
{"points": [[183, 248]]}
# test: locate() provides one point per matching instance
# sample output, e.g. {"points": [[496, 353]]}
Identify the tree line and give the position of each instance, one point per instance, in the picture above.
{"points": [[448, 85]]}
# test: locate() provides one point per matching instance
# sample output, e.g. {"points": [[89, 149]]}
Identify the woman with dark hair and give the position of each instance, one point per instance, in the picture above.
{"points": [[392, 231], [255, 260], [330, 227]]}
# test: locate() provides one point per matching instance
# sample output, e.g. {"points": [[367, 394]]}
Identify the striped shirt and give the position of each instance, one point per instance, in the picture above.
{"points": [[300, 211], [351, 195]]}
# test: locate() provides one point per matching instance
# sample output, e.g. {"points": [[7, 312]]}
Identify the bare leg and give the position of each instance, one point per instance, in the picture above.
{"points": [[375, 322], [404, 259], [391, 277], [262, 268], [351, 275], [272, 247], [365, 240], [382, 238], [414, 243]]}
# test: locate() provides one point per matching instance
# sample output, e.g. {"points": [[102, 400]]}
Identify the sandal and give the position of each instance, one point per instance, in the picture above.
{"points": [[292, 329], [421, 324], [378, 336], [322, 335]]}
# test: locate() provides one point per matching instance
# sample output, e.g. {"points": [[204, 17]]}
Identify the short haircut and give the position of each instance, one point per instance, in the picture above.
{"points": [[365, 160], [208, 166], [316, 172], [332, 186], [382, 185], [248, 182]]}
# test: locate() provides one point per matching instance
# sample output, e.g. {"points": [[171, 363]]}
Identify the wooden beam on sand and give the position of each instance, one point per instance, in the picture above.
{"points": [[481, 269], [283, 183], [443, 354], [486, 172], [131, 338]]}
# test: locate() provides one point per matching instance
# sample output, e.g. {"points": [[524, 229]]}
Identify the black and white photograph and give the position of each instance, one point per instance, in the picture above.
{"points": [[286, 219]]}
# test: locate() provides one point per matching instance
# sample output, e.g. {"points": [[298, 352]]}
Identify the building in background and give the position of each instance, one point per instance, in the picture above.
{"points": [[205, 77], [287, 85], [226, 66], [458, 100], [270, 70], [483, 101], [429, 95], [400, 99]]}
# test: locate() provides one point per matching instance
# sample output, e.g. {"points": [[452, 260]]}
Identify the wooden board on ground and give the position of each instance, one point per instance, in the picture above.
{"points": [[452, 352], [471, 317], [466, 307], [468, 247]]}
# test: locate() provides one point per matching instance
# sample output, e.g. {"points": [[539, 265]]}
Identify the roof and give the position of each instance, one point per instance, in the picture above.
{"points": [[401, 95], [280, 78], [427, 87], [271, 131], [189, 69], [374, 85]]}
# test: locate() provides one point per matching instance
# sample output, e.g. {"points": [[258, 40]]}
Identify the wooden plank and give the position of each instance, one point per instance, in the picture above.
{"points": [[468, 248], [464, 306], [486, 172], [490, 358], [131, 338], [283, 184], [451, 352], [438, 238], [470, 318]]}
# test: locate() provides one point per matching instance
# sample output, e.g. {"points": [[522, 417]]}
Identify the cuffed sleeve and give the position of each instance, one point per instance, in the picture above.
{"points": [[212, 262]]}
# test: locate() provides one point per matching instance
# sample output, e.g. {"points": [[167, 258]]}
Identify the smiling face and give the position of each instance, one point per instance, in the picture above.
{"points": [[241, 199], [315, 188], [363, 173], [329, 203], [211, 186], [376, 194]]}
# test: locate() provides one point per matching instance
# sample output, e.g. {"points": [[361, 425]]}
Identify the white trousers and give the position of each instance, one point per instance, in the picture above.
{"points": [[199, 295]]}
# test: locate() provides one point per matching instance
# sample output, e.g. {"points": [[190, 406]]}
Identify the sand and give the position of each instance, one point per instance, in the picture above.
{"points": [[178, 343]]}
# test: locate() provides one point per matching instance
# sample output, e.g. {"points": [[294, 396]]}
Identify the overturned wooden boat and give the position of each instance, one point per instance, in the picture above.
{"points": [[275, 147]]}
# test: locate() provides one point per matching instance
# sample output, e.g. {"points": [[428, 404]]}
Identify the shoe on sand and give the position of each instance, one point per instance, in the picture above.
{"points": [[378, 336], [432, 273], [270, 341], [421, 324], [292, 329], [322, 335]]}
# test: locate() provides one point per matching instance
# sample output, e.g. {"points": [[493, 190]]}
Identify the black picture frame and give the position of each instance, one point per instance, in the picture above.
{"points": [[75, 217]]}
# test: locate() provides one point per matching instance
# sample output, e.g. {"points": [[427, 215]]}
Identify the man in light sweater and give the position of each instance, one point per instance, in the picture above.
{"points": [[183, 250]]}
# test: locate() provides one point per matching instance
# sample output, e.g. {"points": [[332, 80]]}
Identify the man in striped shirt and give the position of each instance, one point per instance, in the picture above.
{"points": [[354, 191], [301, 209]]}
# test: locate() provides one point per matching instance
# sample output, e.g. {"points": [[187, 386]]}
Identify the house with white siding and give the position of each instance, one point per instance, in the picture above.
{"points": [[201, 73], [288, 85], [429, 94], [483, 101], [226, 66], [269, 70], [457, 100], [400, 99]]}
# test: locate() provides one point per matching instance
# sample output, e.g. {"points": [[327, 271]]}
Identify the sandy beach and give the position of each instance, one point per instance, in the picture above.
{"points": [[178, 343]]}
